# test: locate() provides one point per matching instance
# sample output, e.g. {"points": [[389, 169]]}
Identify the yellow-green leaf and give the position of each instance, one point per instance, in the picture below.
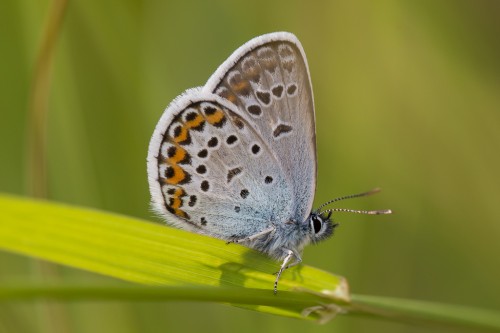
{"points": [[147, 253]]}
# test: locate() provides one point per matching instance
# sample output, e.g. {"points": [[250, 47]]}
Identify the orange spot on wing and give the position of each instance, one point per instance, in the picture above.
{"points": [[240, 86], [228, 95], [178, 176], [180, 154], [176, 203], [232, 98], [253, 74], [195, 122], [215, 118], [181, 213], [183, 135]]}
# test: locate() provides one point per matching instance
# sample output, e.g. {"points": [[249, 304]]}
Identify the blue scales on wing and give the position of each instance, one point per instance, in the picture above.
{"points": [[216, 175]]}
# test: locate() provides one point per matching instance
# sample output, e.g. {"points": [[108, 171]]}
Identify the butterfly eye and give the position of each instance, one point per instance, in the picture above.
{"points": [[316, 224]]}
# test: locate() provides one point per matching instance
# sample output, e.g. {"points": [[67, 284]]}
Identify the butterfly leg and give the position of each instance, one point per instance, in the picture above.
{"points": [[284, 265], [254, 236], [297, 261]]}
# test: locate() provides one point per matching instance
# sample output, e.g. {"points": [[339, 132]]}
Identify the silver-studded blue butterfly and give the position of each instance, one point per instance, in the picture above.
{"points": [[236, 158]]}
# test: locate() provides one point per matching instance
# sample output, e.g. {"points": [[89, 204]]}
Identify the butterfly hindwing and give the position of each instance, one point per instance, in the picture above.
{"points": [[211, 172], [267, 79]]}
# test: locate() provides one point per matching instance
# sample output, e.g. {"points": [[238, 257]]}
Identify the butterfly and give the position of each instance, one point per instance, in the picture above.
{"points": [[236, 158]]}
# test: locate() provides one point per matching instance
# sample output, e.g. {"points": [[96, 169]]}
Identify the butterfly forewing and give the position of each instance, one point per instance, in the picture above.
{"points": [[268, 81], [213, 172]]}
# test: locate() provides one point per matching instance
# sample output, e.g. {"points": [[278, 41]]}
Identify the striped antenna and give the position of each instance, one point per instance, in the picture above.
{"points": [[364, 194]]}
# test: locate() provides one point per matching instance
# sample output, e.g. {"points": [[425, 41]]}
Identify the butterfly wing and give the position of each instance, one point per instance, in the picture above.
{"points": [[210, 171], [268, 80]]}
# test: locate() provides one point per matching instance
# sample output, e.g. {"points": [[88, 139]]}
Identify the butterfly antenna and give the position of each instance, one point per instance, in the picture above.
{"points": [[369, 212], [364, 194]]}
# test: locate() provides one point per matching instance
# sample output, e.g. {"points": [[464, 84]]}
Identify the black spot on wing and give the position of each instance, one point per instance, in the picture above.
{"points": [[291, 89], [205, 186], [255, 149], [264, 97], [277, 91], [212, 142], [231, 139], [232, 173], [244, 193], [201, 169], [281, 129], [203, 153], [255, 110]]}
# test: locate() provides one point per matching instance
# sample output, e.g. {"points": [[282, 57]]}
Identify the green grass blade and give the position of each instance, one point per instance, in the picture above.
{"points": [[152, 254], [423, 312], [175, 265], [72, 292], [394, 309]]}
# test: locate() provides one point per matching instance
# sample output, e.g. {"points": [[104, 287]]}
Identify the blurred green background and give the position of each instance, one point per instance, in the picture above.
{"points": [[407, 98]]}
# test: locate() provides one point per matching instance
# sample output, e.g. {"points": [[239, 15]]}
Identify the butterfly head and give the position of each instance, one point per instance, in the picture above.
{"points": [[320, 226]]}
